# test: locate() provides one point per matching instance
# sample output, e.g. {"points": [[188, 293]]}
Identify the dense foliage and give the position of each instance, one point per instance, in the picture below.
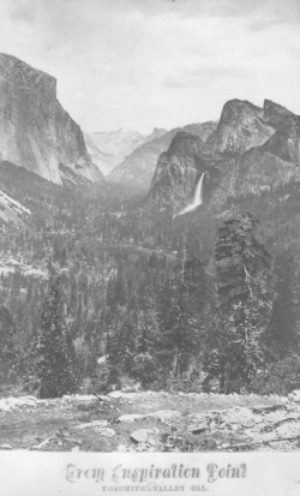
{"points": [[245, 300]]}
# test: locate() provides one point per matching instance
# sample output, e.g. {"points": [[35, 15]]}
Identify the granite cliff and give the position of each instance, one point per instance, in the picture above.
{"points": [[35, 131]]}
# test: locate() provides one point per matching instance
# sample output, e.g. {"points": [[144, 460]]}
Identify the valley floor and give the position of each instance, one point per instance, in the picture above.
{"points": [[150, 422]]}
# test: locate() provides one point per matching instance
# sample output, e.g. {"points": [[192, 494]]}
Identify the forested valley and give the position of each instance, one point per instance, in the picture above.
{"points": [[99, 291]]}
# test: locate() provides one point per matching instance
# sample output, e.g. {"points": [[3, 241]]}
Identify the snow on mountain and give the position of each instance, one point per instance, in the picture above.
{"points": [[108, 149], [104, 161]]}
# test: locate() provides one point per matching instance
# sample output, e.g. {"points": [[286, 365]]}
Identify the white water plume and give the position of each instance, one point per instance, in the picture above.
{"points": [[197, 200]]}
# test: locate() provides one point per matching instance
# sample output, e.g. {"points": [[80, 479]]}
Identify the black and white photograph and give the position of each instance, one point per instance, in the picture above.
{"points": [[149, 232]]}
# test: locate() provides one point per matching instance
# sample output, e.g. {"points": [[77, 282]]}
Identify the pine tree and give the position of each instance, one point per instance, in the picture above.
{"points": [[55, 349], [145, 361], [184, 301], [243, 270], [121, 346], [283, 333], [7, 347]]}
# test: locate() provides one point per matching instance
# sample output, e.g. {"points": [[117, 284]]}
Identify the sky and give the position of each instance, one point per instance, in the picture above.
{"points": [[140, 64]]}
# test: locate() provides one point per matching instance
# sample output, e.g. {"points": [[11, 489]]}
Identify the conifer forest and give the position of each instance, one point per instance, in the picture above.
{"points": [[100, 291]]}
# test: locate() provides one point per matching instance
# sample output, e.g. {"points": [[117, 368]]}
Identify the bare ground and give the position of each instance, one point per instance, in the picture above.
{"points": [[149, 421]]}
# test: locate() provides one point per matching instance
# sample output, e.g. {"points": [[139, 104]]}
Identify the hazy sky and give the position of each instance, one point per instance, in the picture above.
{"points": [[164, 63]]}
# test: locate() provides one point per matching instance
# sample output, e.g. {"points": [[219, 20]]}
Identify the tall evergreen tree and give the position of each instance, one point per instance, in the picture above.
{"points": [[243, 270], [145, 361], [7, 347], [185, 297], [283, 333], [55, 353]]}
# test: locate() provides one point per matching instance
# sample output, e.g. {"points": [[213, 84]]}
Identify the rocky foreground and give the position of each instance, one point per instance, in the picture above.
{"points": [[150, 422]]}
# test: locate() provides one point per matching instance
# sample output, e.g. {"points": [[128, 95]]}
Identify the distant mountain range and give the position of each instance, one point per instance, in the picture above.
{"points": [[109, 149]]}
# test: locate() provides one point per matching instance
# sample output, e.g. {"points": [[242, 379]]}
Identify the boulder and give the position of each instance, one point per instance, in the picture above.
{"points": [[295, 396], [198, 428], [144, 436], [105, 432], [131, 417], [165, 415], [92, 425]]}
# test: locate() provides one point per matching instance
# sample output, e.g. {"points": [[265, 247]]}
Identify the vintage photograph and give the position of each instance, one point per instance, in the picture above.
{"points": [[150, 230]]}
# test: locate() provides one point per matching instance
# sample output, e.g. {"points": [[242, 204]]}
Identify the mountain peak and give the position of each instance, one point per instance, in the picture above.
{"points": [[236, 102], [11, 65], [238, 109], [241, 127], [184, 143]]}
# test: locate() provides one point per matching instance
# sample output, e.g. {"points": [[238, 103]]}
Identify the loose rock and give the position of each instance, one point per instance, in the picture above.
{"points": [[92, 425], [143, 435], [198, 428], [42, 444], [131, 417], [106, 432], [165, 415], [295, 395]]}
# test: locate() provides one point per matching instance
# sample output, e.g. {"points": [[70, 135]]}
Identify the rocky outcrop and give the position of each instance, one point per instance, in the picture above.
{"points": [[274, 163], [35, 131], [285, 143], [176, 171], [242, 126], [274, 114], [162, 422], [138, 168]]}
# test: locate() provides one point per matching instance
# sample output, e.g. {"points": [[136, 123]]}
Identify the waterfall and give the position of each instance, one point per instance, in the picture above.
{"points": [[197, 200]]}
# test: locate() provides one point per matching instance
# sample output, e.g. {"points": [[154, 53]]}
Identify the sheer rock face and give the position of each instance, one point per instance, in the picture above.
{"points": [[274, 163], [242, 126], [275, 114], [35, 131], [177, 170], [252, 150]]}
